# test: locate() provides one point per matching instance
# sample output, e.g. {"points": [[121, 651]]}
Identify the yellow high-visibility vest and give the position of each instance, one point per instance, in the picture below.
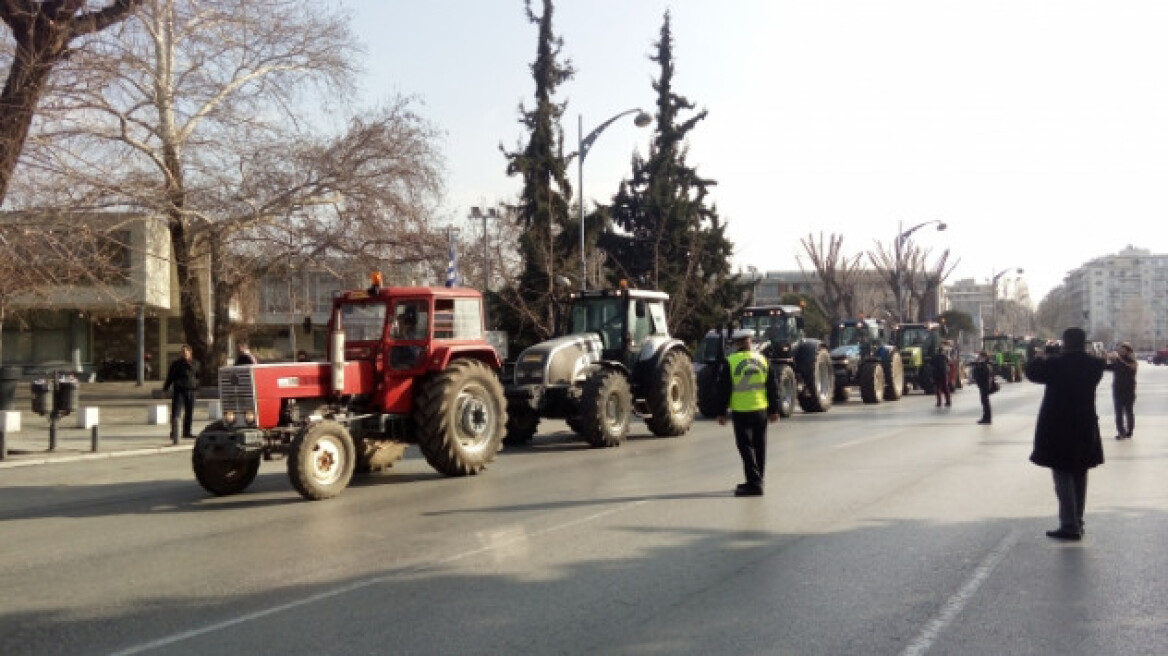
{"points": [[748, 374]]}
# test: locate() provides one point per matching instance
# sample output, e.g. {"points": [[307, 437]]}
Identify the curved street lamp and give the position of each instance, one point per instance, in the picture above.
{"points": [[994, 292], [902, 236], [584, 144]]}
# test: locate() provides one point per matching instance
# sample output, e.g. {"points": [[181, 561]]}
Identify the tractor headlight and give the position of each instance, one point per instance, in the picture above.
{"points": [[249, 418], [229, 417]]}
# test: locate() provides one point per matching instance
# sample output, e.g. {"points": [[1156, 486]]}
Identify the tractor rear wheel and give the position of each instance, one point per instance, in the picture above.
{"points": [[461, 418], [321, 460], [819, 388], [786, 379], [872, 382], [605, 406], [671, 397], [223, 477], [708, 392]]}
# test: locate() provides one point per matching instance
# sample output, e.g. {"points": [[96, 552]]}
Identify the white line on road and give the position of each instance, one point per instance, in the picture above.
{"points": [[357, 585], [955, 604]]}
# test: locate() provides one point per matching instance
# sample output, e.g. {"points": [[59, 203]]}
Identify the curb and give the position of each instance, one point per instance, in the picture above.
{"points": [[130, 453]]}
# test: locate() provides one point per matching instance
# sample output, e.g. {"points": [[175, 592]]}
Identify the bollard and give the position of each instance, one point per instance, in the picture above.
{"points": [[93, 439], [3, 446], [53, 432]]}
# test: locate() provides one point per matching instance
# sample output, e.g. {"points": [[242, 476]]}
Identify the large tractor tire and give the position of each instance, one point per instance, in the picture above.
{"points": [[787, 386], [461, 418], [708, 392], [893, 377], [872, 381], [819, 389], [322, 460], [522, 423], [605, 406], [223, 477], [671, 398]]}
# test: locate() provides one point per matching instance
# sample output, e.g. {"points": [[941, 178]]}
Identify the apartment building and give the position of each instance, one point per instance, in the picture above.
{"points": [[1122, 297]]}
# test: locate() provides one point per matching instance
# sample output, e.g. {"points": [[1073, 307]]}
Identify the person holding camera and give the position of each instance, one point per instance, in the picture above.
{"points": [[1066, 439], [1122, 364]]}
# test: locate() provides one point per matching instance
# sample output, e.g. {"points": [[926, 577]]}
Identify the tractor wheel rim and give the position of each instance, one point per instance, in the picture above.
{"points": [[474, 416], [327, 457]]}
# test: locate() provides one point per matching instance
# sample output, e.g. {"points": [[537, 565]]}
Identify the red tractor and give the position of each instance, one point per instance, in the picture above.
{"points": [[407, 365]]}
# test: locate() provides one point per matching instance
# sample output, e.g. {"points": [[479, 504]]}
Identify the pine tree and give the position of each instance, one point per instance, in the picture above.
{"points": [[542, 212], [665, 234]]}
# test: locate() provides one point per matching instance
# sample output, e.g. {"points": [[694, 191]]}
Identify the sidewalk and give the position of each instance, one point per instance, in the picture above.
{"points": [[123, 427]]}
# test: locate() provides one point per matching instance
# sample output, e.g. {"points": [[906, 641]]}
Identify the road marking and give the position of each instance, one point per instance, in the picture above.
{"points": [[357, 585], [955, 604], [870, 438]]}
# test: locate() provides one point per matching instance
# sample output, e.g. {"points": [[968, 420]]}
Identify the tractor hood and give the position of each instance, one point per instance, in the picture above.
{"points": [[558, 361]]}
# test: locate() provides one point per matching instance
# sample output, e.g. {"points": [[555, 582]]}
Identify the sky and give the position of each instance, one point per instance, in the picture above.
{"points": [[1036, 130]]}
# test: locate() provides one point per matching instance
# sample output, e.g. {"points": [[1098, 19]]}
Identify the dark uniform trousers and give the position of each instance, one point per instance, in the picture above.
{"points": [[750, 430]]}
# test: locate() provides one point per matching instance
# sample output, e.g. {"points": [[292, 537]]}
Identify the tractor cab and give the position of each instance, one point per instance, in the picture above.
{"points": [[623, 318], [778, 327]]}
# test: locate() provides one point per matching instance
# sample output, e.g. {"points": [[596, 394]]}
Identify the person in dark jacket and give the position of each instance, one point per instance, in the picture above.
{"points": [[243, 355], [983, 377], [939, 364], [1066, 438], [1122, 364], [749, 388], [183, 378]]}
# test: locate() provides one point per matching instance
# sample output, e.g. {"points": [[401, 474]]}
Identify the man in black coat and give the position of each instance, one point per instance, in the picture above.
{"points": [[1067, 436], [983, 376], [1122, 364], [183, 377]]}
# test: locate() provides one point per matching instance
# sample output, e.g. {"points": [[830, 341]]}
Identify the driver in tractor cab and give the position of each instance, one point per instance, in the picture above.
{"points": [[405, 327]]}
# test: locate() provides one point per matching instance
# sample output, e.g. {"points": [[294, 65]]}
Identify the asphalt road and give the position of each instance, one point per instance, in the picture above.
{"points": [[891, 529]]}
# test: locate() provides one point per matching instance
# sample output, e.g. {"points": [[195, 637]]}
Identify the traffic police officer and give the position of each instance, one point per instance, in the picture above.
{"points": [[751, 391]]}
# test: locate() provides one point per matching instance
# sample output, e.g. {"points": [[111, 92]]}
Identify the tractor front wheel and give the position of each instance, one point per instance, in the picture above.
{"points": [[605, 406], [786, 378], [708, 392], [223, 477], [522, 423], [322, 460], [872, 382]]}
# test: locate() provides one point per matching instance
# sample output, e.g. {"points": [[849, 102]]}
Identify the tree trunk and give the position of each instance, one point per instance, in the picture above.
{"points": [[22, 92]]}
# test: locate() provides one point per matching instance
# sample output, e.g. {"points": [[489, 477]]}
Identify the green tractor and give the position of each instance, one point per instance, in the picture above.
{"points": [[1006, 359], [863, 354], [918, 343]]}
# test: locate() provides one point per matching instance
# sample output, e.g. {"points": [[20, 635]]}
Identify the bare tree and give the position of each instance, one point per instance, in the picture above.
{"points": [[44, 33], [43, 255], [201, 117], [839, 274]]}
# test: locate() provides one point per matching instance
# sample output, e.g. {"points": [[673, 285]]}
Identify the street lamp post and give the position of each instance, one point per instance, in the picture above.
{"points": [[902, 236], [584, 144], [994, 293]]}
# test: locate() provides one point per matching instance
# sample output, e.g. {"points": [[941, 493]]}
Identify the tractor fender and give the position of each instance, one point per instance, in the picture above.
{"points": [[652, 352], [441, 356]]}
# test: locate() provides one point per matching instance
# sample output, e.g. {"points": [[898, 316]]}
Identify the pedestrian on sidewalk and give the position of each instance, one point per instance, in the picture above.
{"points": [[983, 377], [1122, 364], [749, 388], [183, 378], [1066, 438]]}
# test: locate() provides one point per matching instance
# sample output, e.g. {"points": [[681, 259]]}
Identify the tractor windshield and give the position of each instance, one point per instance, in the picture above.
{"points": [[910, 337], [847, 335], [362, 322], [598, 315]]}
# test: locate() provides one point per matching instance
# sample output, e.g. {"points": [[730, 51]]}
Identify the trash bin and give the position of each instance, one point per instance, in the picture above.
{"points": [[9, 378], [42, 396], [67, 397]]}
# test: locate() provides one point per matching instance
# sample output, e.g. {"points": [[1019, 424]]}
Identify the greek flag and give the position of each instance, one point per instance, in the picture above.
{"points": [[452, 267]]}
